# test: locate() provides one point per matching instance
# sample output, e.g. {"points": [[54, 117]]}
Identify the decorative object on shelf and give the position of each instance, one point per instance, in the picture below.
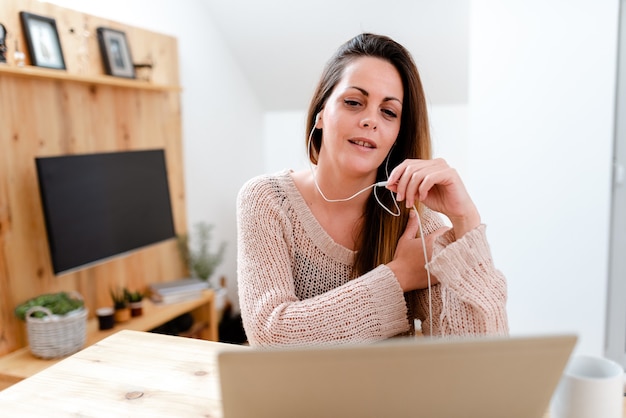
{"points": [[56, 324], [18, 55], [178, 290], [143, 71], [42, 40], [135, 302], [106, 318], [115, 53], [120, 305], [3, 44], [196, 253]]}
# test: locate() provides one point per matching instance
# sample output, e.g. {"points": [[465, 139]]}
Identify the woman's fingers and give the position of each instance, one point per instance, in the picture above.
{"points": [[412, 227], [439, 187], [413, 179]]}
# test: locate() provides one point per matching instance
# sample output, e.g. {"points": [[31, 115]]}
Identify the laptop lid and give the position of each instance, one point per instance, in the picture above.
{"points": [[414, 377]]}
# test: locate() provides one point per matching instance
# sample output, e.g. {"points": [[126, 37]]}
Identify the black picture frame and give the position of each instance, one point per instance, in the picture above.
{"points": [[42, 41], [115, 53]]}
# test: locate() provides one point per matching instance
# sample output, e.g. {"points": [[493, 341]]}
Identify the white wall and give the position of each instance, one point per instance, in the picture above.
{"points": [[284, 141], [222, 119], [449, 134], [542, 86]]}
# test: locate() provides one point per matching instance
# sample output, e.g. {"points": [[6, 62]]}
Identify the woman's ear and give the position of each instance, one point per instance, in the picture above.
{"points": [[318, 120]]}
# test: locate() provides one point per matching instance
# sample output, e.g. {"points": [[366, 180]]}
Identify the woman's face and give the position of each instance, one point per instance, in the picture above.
{"points": [[361, 118]]}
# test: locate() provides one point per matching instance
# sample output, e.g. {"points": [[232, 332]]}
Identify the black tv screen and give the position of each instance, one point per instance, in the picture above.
{"points": [[101, 205]]}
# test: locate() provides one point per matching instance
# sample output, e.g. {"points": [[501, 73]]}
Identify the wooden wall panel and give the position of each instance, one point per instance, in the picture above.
{"points": [[43, 116]]}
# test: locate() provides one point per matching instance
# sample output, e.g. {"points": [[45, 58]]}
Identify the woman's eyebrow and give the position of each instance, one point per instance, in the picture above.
{"points": [[366, 94]]}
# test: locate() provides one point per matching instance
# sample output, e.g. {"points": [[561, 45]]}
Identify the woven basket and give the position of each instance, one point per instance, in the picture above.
{"points": [[55, 336]]}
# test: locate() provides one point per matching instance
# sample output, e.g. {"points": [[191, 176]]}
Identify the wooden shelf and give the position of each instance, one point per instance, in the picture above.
{"points": [[103, 80], [21, 364]]}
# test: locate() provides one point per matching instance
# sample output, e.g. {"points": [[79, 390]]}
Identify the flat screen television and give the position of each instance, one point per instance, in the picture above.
{"points": [[98, 206]]}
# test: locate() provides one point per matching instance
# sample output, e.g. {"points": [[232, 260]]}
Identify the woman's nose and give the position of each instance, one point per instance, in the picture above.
{"points": [[368, 122]]}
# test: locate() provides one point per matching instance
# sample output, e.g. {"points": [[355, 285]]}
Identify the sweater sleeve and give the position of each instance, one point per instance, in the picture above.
{"points": [[470, 298], [368, 308]]}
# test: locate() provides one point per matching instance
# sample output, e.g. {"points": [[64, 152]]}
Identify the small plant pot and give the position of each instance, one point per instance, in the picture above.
{"points": [[122, 315], [106, 318], [136, 308]]}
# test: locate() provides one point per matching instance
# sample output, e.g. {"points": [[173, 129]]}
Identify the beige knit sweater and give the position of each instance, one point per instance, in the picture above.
{"points": [[295, 287]]}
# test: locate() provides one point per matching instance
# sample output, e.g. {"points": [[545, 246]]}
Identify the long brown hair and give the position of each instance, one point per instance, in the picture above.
{"points": [[381, 231]]}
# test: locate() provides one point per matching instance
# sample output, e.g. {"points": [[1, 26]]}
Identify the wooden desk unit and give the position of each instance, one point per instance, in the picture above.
{"points": [[21, 364]]}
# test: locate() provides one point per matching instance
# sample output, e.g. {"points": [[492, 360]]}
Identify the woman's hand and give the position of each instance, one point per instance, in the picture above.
{"points": [[438, 186], [408, 264]]}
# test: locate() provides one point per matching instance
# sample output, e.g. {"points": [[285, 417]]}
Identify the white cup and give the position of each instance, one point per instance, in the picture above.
{"points": [[591, 387]]}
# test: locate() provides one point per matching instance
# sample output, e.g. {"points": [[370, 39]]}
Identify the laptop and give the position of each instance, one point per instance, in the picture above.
{"points": [[414, 377]]}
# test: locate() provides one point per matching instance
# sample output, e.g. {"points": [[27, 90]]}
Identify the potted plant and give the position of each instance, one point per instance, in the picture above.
{"points": [[120, 305], [61, 303], [56, 323], [135, 301], [196, 251]]}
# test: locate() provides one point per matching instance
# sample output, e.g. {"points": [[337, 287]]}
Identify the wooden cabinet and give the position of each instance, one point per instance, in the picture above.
{"points": [[46, 112]]}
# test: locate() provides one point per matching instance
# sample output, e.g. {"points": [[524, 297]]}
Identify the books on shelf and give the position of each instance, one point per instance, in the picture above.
{"points": [[178, 290]]}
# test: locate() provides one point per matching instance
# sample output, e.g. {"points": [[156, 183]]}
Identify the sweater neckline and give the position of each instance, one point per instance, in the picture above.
{"points": [[312, 226]]}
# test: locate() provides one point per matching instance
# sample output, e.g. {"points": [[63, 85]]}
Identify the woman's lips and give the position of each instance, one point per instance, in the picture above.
{"points": [[363, 142]]}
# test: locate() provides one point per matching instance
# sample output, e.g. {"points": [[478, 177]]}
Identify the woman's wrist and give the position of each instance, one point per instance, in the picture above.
{"points": [[402, 274], [463, 224]]}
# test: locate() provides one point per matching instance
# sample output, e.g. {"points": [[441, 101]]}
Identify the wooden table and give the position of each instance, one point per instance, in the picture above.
{"points": [[131, 373]]}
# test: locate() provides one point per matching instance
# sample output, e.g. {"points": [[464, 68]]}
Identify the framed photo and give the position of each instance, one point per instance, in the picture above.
{"points": [[42, 40], [115, 53]]}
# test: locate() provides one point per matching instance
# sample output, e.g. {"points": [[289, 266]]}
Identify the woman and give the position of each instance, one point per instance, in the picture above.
{"points": [[321, 263]]}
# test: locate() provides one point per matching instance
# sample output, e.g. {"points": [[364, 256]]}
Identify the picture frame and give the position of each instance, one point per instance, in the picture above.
{"points": [[42, 41], [115, 53]]}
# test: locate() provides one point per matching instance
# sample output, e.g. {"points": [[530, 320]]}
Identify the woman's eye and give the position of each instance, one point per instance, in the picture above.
{"points": [[390, 113], [352, 103]]}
